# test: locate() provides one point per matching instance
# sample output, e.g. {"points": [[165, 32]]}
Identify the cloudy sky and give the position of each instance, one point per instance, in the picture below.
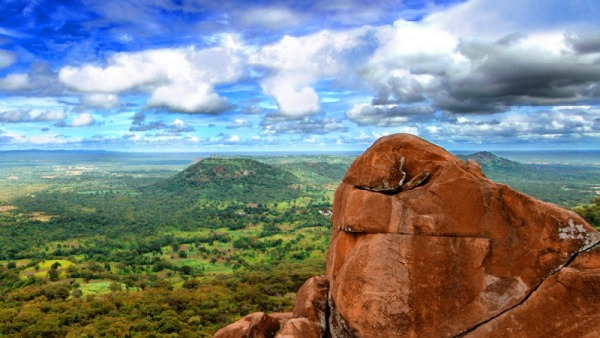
{"points": [[325, 75]]}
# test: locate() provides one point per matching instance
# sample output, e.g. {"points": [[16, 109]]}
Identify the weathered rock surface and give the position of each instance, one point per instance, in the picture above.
{"points": [[424, 245], [256, 325]]}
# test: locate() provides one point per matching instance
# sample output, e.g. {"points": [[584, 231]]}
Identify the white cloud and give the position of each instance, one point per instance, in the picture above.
{"points": [[558, 123], [100, 100], [15, 82], [473, 72], [39, 80], [180, 79], [239, 123], [7, 58], [298, 62], [234, 138], [179, 126], [46, 139], [15, 116], [188, 97], [293, 101], [85, 119], [50, 116]]}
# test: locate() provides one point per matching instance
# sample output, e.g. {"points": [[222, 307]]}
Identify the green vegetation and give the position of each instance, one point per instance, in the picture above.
{"points": [[126, 245], [135, 249], [562, 184], [590, 211]]}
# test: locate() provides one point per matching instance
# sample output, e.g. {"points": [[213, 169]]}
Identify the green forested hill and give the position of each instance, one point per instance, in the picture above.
{"points": [[240, 179]]}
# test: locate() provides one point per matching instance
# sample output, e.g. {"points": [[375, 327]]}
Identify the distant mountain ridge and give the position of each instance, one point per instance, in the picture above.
{"points": [[490, 161]]}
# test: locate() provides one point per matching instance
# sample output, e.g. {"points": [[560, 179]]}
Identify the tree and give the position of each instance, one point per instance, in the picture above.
{"points": [[11, 265], [53, 274], [115, 286], [186, 269]]}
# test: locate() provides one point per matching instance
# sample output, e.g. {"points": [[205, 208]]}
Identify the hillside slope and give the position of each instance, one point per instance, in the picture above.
{"points": [[491, 162], [240, 179]]}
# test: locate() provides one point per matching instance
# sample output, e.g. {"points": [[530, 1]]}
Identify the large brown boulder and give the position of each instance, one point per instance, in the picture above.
{"points": [[424, 245], [443, 251]]}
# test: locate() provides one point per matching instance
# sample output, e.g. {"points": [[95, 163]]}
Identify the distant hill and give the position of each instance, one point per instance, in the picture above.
{"points": [[490, 162], [240, 179], [318, 172]]}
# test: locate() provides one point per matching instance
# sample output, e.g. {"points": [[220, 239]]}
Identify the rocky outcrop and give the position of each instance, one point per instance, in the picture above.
{"points": [[256, 325], [424, 245]]}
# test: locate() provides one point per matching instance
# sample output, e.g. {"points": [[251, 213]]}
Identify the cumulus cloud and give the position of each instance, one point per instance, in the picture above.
{"points": [[51, 116], [584, 41], [14, 116], [181, 79], [189, 97], [39, 80], [239, 123], [81, 120], [15, 82], [178, 126], [85, 119], [20, 115], [296, 63], [387, 115], [100, 100], [277, 124], [426, 63]]}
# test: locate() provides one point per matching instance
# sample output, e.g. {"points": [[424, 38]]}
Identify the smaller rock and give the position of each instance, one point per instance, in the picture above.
{"points": [[311, 302], [300, 328], [256, 325]]}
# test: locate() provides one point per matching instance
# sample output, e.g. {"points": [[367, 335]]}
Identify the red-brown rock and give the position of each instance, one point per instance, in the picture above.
{"points": [[566, 304], [299, 328], [311, 303], [256, 325], [443, 254]]}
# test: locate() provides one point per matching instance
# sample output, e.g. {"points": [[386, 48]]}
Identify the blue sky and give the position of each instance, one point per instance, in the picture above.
{"points": [[331, 75]]}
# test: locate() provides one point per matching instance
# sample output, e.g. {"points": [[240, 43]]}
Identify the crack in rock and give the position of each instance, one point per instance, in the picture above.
{"points": [[537, 286]]}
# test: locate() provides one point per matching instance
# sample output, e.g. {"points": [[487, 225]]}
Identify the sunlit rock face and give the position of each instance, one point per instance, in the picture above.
{"points": [[424, 245]]}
